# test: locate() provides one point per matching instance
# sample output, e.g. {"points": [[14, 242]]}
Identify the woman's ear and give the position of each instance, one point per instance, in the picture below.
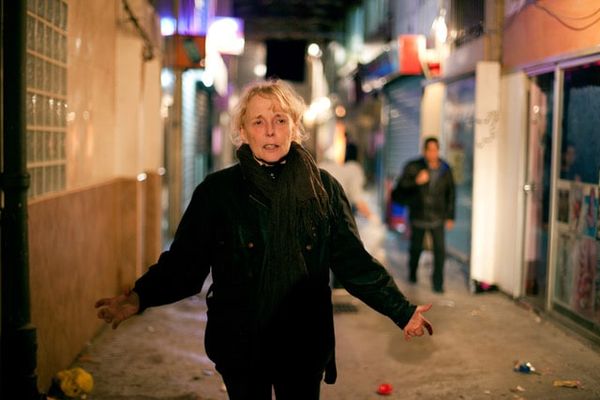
{"points": [[243, 137]]}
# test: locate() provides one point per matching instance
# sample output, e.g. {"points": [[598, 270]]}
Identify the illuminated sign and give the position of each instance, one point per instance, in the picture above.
{"points": [[226, 35], [183, 51]]}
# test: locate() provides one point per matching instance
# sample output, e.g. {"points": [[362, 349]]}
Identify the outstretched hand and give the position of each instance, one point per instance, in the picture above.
{"points": [[117, 309], [417, 322]]}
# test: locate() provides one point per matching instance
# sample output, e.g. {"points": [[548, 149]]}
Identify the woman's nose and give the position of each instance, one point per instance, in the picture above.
{"points": [[270, 130]]}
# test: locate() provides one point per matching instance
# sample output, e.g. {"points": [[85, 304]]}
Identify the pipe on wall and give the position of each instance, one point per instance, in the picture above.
{"points": [[18, 336]]}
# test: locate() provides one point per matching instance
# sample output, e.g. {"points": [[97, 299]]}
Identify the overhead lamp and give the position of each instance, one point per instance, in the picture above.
{"points": [[314, 50], [439, 27], [260, 70]]}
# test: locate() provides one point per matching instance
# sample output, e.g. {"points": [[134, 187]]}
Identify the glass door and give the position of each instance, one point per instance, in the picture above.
{"points": [[576, 270], [458, 136], [537, 188]]}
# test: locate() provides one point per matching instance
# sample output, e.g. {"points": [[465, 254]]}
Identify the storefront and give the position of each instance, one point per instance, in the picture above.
{"points": [[560, 224], [458, 132], [187, 103], [402, 132], [574, 256]]}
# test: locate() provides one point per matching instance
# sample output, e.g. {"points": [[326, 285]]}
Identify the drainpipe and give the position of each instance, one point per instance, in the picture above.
{"points": [[18, 336]]}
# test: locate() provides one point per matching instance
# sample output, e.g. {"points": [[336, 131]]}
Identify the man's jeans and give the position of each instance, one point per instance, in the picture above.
{"points": [[439, 253]]}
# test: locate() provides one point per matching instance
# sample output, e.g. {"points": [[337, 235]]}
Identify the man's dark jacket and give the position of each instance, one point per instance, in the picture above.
{"points": [[431, 202], [223, 231]]}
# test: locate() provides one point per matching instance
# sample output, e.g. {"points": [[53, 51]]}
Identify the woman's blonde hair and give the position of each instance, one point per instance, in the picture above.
{"points": [[291, 103]]}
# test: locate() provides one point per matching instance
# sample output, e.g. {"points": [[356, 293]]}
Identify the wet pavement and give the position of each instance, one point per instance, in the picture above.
{"points": [[477, 340]]}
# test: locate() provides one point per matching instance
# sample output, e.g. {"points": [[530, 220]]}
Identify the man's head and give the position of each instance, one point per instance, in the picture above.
{"points": [[431, 150]]}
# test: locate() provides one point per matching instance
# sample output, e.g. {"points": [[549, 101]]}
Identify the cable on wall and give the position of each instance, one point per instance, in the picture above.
{"points": [[561, 18], [148, 52]]}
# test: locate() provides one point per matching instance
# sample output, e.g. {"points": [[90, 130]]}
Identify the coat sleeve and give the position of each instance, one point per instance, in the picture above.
{"points": [[409, 175], [181, 270], [361, 274], [450, 196]]}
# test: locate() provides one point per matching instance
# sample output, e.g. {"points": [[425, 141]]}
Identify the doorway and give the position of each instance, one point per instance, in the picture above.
{"points": [[537, 188]]}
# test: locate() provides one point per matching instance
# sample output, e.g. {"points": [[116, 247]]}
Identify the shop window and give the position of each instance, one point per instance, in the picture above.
{"points": [[467, 20], [539, 167], [46, 77], [577, 272], [457, 147], [581, 118]]}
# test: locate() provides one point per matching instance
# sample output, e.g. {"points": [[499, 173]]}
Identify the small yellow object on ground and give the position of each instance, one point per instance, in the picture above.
{"points": [[570, 384], [75, 383]]}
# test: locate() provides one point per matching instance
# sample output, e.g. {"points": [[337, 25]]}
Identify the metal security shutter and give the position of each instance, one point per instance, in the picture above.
{"points": [[203, 131], [403, 109], [195, 141]]}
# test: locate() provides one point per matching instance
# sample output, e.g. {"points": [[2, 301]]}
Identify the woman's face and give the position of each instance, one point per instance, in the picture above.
{"points": [[267, 129]]}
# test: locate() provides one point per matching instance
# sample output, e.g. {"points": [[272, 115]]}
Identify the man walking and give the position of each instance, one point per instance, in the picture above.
{"points": [[430, 185]]}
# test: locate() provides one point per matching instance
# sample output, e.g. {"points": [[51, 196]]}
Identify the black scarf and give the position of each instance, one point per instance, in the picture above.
{"points": [[298, 202]]}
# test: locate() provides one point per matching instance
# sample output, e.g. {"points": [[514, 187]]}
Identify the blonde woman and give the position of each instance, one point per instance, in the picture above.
{"points": [[269, 229]]}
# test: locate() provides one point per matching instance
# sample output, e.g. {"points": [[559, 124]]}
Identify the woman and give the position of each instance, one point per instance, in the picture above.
{"points": [[269, 229]]}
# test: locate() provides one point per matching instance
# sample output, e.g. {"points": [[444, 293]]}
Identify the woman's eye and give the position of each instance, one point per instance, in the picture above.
{"points": [[281, 121], [257, 122]]}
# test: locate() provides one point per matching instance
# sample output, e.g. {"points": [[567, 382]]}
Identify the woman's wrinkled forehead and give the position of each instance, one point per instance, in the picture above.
{"points": [[275, 103]]}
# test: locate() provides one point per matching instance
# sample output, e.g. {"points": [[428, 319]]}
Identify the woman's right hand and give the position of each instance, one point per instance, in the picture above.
{"points": [[117, 309]]}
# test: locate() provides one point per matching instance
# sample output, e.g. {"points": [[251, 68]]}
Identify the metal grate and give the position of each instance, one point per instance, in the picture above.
{"points": [[467, 20]]}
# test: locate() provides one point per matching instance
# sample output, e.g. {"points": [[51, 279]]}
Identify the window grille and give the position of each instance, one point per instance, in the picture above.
{"points": [[467, 20], [46, 77]]}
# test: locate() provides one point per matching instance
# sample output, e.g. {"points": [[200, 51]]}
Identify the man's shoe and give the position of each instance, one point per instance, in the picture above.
{"points": [[438, 289]]}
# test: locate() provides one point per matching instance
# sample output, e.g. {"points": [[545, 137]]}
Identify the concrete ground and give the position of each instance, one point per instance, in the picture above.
{"points": [[477, 340]]}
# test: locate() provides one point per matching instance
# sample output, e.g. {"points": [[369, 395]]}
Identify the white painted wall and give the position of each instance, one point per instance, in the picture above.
{"points": [[139, 133], [114, 126], [485, 173], [431, 110], [151, 128], [129, 70], [511, 198], [91, 40]]}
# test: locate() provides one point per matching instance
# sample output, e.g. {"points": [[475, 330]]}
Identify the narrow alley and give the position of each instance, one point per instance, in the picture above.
{"points": [[247, 133], [477, 340]]}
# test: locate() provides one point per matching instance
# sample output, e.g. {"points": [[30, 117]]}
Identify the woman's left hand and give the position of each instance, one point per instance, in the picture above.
{"points": [[417, 322]]}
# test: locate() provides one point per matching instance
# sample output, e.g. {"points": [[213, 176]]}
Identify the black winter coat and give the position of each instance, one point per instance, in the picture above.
{"points": [[429, 202], [223, 231]]}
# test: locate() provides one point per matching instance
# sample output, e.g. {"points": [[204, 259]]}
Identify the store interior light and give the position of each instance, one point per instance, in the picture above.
{"points": [[167, 78], [226, 35], [318, 109], [439, 27], [207, 79], [314, 50], [167, 26], [260, 70]]}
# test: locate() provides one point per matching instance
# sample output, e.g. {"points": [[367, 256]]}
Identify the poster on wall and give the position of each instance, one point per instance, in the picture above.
{"points": [[597, 285], [580, 169], [563, 206], [458, 136], [589, 213], [575, 205], [598, 211], [564, 272], [583, 298]]}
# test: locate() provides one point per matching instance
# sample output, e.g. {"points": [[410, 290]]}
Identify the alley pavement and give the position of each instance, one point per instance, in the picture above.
{"points": [[477, 340]]}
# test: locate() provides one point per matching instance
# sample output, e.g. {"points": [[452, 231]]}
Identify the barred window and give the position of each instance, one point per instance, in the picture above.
{"points": [[46, 95], [467, 20]]}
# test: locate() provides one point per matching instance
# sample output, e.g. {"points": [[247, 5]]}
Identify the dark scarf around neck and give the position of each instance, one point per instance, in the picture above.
{"points": [[298, 203]]}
